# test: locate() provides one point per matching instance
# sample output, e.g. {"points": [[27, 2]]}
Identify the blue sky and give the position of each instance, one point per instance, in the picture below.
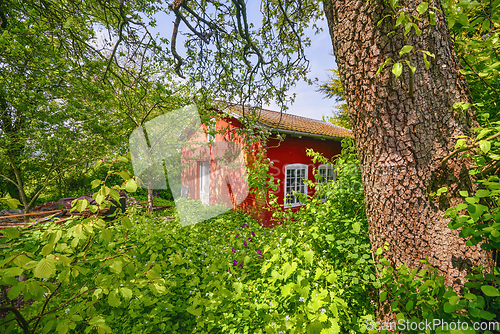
{"points": [[308, 102]]}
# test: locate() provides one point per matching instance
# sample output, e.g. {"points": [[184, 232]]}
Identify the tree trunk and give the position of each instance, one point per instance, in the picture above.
{"points": [[401, 137]]}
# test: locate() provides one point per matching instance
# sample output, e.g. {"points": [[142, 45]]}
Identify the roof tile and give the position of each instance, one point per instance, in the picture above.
{"points": [[283, 121]]}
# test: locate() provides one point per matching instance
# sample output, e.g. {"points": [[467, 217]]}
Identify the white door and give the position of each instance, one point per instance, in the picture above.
{"points": [[204, 181]]}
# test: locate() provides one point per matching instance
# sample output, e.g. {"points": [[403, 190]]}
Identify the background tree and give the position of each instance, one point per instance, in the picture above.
{"points": [[332, 88], [56, 75]]}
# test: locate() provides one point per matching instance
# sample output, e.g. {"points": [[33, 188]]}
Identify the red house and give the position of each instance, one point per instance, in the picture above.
{"points": [[290, 164]]}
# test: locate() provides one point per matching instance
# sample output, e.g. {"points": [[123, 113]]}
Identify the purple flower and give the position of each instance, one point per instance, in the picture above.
{"points": [[240, 264], [253, 233], [259, 251], [250, 239], [244, 225], [237, 235], [261, 257], [245, 243], [234, 250], [235, 262]]}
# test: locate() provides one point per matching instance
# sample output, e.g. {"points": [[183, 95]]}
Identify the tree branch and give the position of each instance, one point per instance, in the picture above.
{"points": [[452, 154], [173, 47], [24, 324], [481, 78], [123, 21], [45, 305]]}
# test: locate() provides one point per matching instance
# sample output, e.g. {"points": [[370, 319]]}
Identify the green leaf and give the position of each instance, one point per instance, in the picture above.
{"points": [[122, 159], [427, 64], [441, 191], [116, 266], [417, 29], [106, 234], [47, 249], [309, 256], [48, 326], [332, 278], [387, 61], [464, 193], [11, 272], [130, 186], [10, 232], [15, 291], [397, 69], [379, 251], [95, 183], [62, 327], [285, 290], [356, 227], [448, 308], [45, 268], [409, 305], [485, 146], [383, 296], [422, 7], [13, 203], [126, 293], [483, 193], [114, 195], [463, 20], [126, 222], [432, 17], [405, 49], [80, 204], [490, 291], [124, 175], [237, 286], [408, 28], [194, 311], [412, 68], [400, 19], [114, 299], [486, 315]]}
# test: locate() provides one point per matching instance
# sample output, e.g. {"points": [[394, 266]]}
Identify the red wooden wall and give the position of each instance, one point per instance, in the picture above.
{"points": [[290, 151]]}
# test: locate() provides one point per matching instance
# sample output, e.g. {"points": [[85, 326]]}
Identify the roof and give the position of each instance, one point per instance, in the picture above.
{"points": [[299, 125]]}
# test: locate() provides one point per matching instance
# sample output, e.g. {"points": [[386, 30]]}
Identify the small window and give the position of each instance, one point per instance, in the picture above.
{"points": [[294, 182], [327, 174]]}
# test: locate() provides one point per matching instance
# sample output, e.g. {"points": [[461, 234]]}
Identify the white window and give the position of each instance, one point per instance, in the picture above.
{"points": [[294, 182], [204, 181], [327, 174]]}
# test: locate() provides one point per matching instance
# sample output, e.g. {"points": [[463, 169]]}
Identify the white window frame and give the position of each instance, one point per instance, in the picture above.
{"points": [[296, 185], [324, 177], [204, 167]]}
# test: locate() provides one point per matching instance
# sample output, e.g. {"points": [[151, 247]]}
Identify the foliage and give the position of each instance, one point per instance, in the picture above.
{"points": [[332, 88], [225, 275], [475, 28], [62, 84]]}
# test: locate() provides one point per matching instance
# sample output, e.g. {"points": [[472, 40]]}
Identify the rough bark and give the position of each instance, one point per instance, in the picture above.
{"points": [[402, 139]]}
